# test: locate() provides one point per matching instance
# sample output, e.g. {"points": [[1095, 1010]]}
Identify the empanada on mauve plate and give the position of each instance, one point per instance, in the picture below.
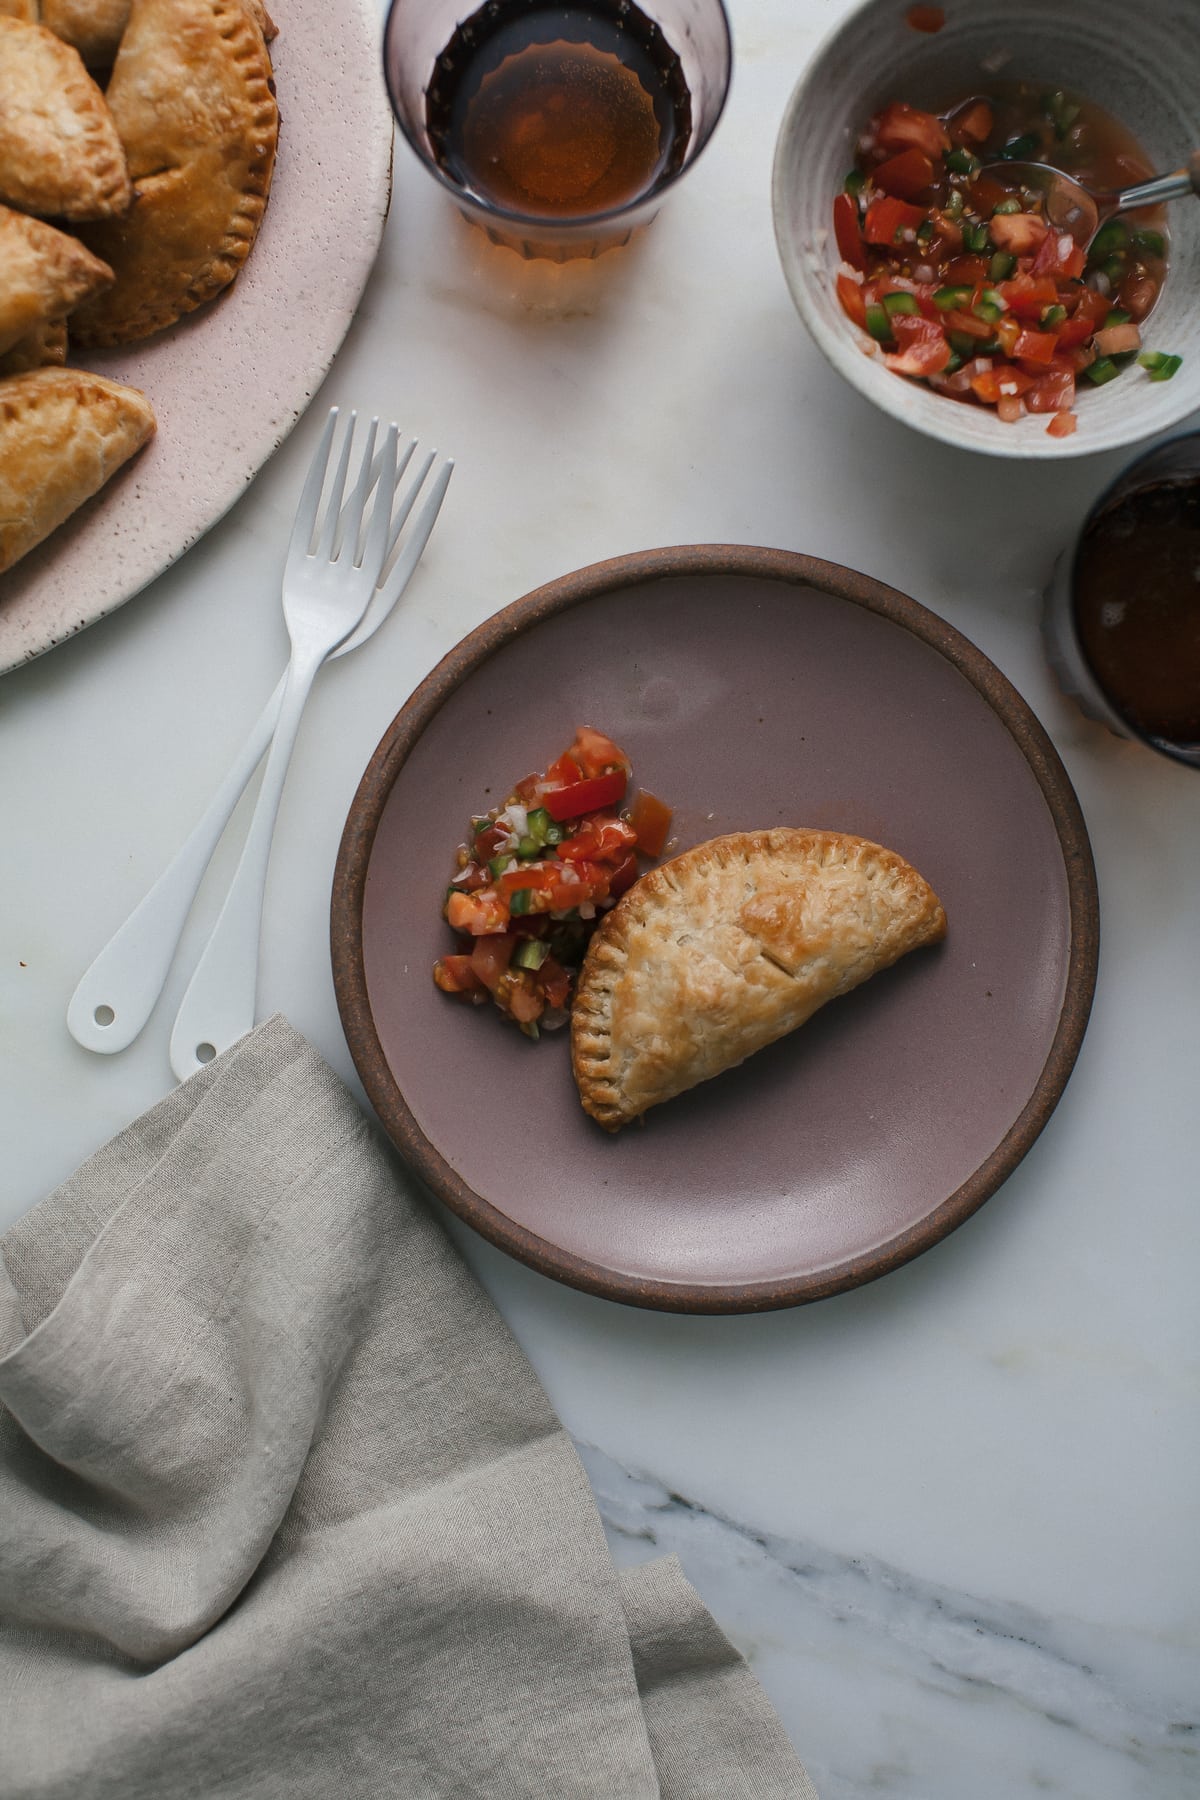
{"points": [[715, 954], [63, 434]]}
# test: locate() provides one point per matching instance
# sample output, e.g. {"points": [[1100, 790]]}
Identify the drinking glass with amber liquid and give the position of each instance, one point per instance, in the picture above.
{"points": [[558, 128]]}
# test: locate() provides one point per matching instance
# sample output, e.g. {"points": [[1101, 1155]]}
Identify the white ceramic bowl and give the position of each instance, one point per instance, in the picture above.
{"points": [[1142, 64]]}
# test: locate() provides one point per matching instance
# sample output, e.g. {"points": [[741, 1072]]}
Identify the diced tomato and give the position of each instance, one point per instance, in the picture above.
{"points": [[967, 323], [923, 346], [1008, 330], [490, 958], [1075, 330], [1051, 393], [1091, 305], [1062, 424], [1021, 234], [887, 218], [563, 770], [623, 877], [1026, 297], [586, 796], [966, 271], [1117, 340], [900, 126], [471, 879], [1137, 294], [906, 175], [525, 1002], [1036, 346], [651, 822], [488, 842], [994, 385], [854, 304], [599, 840], [847, 232], [527, 788], [478, 914], [554, 982], [975, 123], [596, 753], [1059, 255], [948, 236], [456, 974], [1009, 408]]}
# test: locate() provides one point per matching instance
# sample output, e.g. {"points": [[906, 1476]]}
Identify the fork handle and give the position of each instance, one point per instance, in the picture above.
{"points": [[218, 1007], [129, 974]]}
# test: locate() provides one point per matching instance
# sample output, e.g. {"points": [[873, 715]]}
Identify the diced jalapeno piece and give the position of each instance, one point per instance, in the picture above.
{"points": [[1002, 265], [925, 231], [531, 954], [1150, 243], [1019, 149], [948, 298], [1158, 365], [1054, 315], [989, 306], [955, 205], [900, 303], [878, 323], [962, 162], [1118, 316], [1103, 370], [855, 182], [498, 864], [975, 238], [1010, 205], [528, 846], [962, 341], [1114, 268], [955, 363], [520, 902], [1110, 237]]}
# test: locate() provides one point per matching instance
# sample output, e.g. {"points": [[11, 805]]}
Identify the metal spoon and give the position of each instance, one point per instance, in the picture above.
{"points": [[1071, 208]]}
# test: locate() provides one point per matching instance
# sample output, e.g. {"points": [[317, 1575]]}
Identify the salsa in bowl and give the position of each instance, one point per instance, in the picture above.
{"points": [[934, 282]]}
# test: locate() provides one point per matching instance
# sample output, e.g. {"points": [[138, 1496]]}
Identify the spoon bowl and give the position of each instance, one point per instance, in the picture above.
{"points": [[1070, 207]]}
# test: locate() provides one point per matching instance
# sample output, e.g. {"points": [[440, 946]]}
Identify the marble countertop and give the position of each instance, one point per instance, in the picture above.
{"points": [[951, 1516]]}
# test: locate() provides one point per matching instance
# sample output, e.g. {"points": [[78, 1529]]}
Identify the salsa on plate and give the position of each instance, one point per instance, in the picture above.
{"points": [[958, 276], [537, 873]]}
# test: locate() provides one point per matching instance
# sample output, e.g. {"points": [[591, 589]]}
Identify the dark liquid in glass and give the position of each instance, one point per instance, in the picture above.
{"points": [[555, 111], [1137, 610]]}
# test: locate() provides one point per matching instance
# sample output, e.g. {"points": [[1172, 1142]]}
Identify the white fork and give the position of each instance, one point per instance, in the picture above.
{"points": [[325, 594], [120, 988]]}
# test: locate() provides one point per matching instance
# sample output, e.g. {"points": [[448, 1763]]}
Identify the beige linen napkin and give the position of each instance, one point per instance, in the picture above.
{"points": [[285, 1513]]}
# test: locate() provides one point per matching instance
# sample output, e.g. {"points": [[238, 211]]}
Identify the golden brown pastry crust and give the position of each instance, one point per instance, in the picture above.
{"points": [[60, 155], [42, 348], [63, 433], [720, 951], [43, 274], [193, 99], [94, 27]]}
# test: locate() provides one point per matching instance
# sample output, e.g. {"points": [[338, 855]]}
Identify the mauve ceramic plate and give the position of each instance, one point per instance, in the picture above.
{"points": [[228, 383], [751, 688]]}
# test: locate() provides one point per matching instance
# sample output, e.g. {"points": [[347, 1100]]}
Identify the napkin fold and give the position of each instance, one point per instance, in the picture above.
{"points": [[284, 1511]]}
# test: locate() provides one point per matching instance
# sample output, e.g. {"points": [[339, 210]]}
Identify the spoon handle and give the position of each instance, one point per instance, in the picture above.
{"points": [[1162, 187]]}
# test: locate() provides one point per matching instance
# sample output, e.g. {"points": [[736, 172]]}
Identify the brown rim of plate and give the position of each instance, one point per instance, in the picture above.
{"points": [[354, 855]]}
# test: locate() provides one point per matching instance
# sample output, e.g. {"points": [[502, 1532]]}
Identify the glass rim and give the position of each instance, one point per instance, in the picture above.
{"points": [[555, 224]]}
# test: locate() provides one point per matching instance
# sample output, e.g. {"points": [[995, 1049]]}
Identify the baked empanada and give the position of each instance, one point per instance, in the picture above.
{"points": [[43, 274], [63, 433], [720, 951], [59, 151], [42, 348], [193, 99], [94, 27]]}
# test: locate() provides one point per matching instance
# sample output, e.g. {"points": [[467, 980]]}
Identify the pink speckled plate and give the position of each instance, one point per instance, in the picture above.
{"points": [[229, 383], [751, 688]]}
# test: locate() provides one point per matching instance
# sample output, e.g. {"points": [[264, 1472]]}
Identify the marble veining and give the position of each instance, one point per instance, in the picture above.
{"points": [[1055, 1706]]}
